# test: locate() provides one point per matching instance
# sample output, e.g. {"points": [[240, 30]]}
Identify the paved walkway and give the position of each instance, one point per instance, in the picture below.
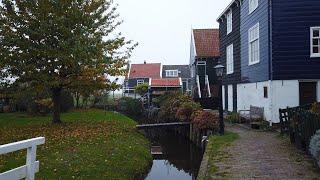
{"points": [[264, 155]]}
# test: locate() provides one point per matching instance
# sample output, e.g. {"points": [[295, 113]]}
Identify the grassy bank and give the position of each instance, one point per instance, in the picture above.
{"points": [[89, 144], [215, 153]]}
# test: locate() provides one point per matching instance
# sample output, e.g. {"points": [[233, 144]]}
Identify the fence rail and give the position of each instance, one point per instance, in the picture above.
{"points": [[32, 166], [300, 124]]}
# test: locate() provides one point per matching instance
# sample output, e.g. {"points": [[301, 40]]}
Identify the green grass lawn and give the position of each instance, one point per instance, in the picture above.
{"points": [[215, 151], [88, 145]]}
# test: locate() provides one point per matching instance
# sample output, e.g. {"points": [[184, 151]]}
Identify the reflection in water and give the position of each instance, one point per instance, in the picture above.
{"points": [[180, 159], [161, 169]]}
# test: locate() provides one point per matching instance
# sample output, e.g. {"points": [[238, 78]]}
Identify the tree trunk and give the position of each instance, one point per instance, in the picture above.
{"points": [[56, 97]]}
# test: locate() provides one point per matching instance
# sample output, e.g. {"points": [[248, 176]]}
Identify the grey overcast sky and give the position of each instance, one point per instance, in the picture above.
{"points": [[163, 27]]}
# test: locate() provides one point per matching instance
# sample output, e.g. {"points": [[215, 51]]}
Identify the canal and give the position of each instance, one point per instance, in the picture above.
{"points": [[174, 156]]}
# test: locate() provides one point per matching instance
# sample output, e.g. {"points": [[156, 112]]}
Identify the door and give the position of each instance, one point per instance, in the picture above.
{"points": [[308, 92], [184, 86], [230, 98]]}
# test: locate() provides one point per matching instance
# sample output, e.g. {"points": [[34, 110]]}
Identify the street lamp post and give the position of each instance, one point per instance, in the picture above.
{"points": [[219, 68]]}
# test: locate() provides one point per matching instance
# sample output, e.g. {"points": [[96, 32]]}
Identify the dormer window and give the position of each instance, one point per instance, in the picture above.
{"points": [[253, 5], [315, 41], [172, 73], [229, 22]]}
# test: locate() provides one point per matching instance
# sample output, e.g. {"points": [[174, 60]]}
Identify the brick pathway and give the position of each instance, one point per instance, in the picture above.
{"points": [[263, 155]]}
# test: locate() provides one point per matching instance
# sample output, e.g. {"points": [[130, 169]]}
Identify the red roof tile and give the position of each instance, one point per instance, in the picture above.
{"points": [[145, 70], [165, 82], [207, 42]]}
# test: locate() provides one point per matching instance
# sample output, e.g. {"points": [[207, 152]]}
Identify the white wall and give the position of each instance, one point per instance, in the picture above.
{"points": [[281, 94], [252, 94], [284, 94], [230, 98], [223, 98]]}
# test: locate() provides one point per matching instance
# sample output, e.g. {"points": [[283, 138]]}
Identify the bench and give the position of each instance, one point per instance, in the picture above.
{"points": [[255, 116]]}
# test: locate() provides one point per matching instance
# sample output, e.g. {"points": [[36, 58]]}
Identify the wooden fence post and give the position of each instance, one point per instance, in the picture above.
{"points": [[31, 167], [30, 162]]}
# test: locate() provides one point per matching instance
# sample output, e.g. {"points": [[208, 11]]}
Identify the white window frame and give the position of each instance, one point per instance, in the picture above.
{"points": [[172, 73], [229, 59], [229, 22], [312, 54], [251, 40], [253, 5], [201, 63], [140, 81]]}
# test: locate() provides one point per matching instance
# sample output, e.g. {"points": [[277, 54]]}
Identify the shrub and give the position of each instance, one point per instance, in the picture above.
{"points": [[315, 108], [159, 101], [233, 117], [170, 106], [314, 147], [130, 106], [205, 120], [142, 89], [186, 110], [42, 106]]}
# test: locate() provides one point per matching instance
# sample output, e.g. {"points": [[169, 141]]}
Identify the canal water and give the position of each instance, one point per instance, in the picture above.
{"points": [[177, 159]]}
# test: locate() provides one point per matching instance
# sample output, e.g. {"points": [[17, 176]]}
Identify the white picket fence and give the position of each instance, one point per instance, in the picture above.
{"points": [[32, 166]]}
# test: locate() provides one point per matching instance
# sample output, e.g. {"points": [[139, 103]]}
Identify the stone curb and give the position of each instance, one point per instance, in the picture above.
{"points": [[204, 163]]}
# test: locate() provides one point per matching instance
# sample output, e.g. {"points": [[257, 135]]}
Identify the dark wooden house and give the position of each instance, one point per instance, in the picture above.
{"points": [[279, 54], [230, 53], [204, 55]]}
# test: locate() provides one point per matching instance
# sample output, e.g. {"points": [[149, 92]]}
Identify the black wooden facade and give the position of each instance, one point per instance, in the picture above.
{"points": [[291, 22], [226, 40]]}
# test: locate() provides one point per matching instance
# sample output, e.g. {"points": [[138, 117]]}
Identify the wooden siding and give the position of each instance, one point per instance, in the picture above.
{"points": [[132, 83], [291, 22], [225, 41], [260, 71]]}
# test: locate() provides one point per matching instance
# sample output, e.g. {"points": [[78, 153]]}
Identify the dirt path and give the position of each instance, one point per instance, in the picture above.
{"points": [[264, 155]]}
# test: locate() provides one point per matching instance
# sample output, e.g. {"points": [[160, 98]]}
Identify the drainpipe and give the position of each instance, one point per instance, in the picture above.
{"points": [[270, 60]]}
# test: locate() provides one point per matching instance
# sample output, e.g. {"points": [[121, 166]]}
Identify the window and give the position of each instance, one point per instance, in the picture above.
{"points": [[315, 41], [140, 81], [254, 47], [253, 5], [172, 73], [201, 63], [229, 22], [265, 92], [230, 59]]}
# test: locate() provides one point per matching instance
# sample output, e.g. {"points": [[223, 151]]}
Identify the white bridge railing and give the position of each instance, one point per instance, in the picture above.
{"points": [[32, 166]]}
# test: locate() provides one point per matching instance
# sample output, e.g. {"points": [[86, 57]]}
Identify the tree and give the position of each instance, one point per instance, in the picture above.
{"points": [[114, 86], [141, 89], [61, 45]]}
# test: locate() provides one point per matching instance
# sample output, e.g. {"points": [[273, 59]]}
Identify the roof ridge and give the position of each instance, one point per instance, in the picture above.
{"points": [[206, 29], [144, 64]]}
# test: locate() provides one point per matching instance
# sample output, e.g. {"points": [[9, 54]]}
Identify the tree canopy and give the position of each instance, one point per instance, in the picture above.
{"points": [[64, 44], [142, 89]]}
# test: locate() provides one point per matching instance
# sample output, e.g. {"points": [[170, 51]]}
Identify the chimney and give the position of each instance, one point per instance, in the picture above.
{"points": [[145, 62]]}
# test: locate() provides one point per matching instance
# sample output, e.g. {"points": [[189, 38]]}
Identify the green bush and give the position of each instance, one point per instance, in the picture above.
{"points": [[233, 117], [315, 108], [170, 106], [130, 106], [187, 110], [142, 89], [41, 104], [159, 101]]}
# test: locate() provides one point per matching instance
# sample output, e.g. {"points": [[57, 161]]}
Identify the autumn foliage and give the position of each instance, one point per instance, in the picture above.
{"points": [[61, 45], [205, 120]]}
